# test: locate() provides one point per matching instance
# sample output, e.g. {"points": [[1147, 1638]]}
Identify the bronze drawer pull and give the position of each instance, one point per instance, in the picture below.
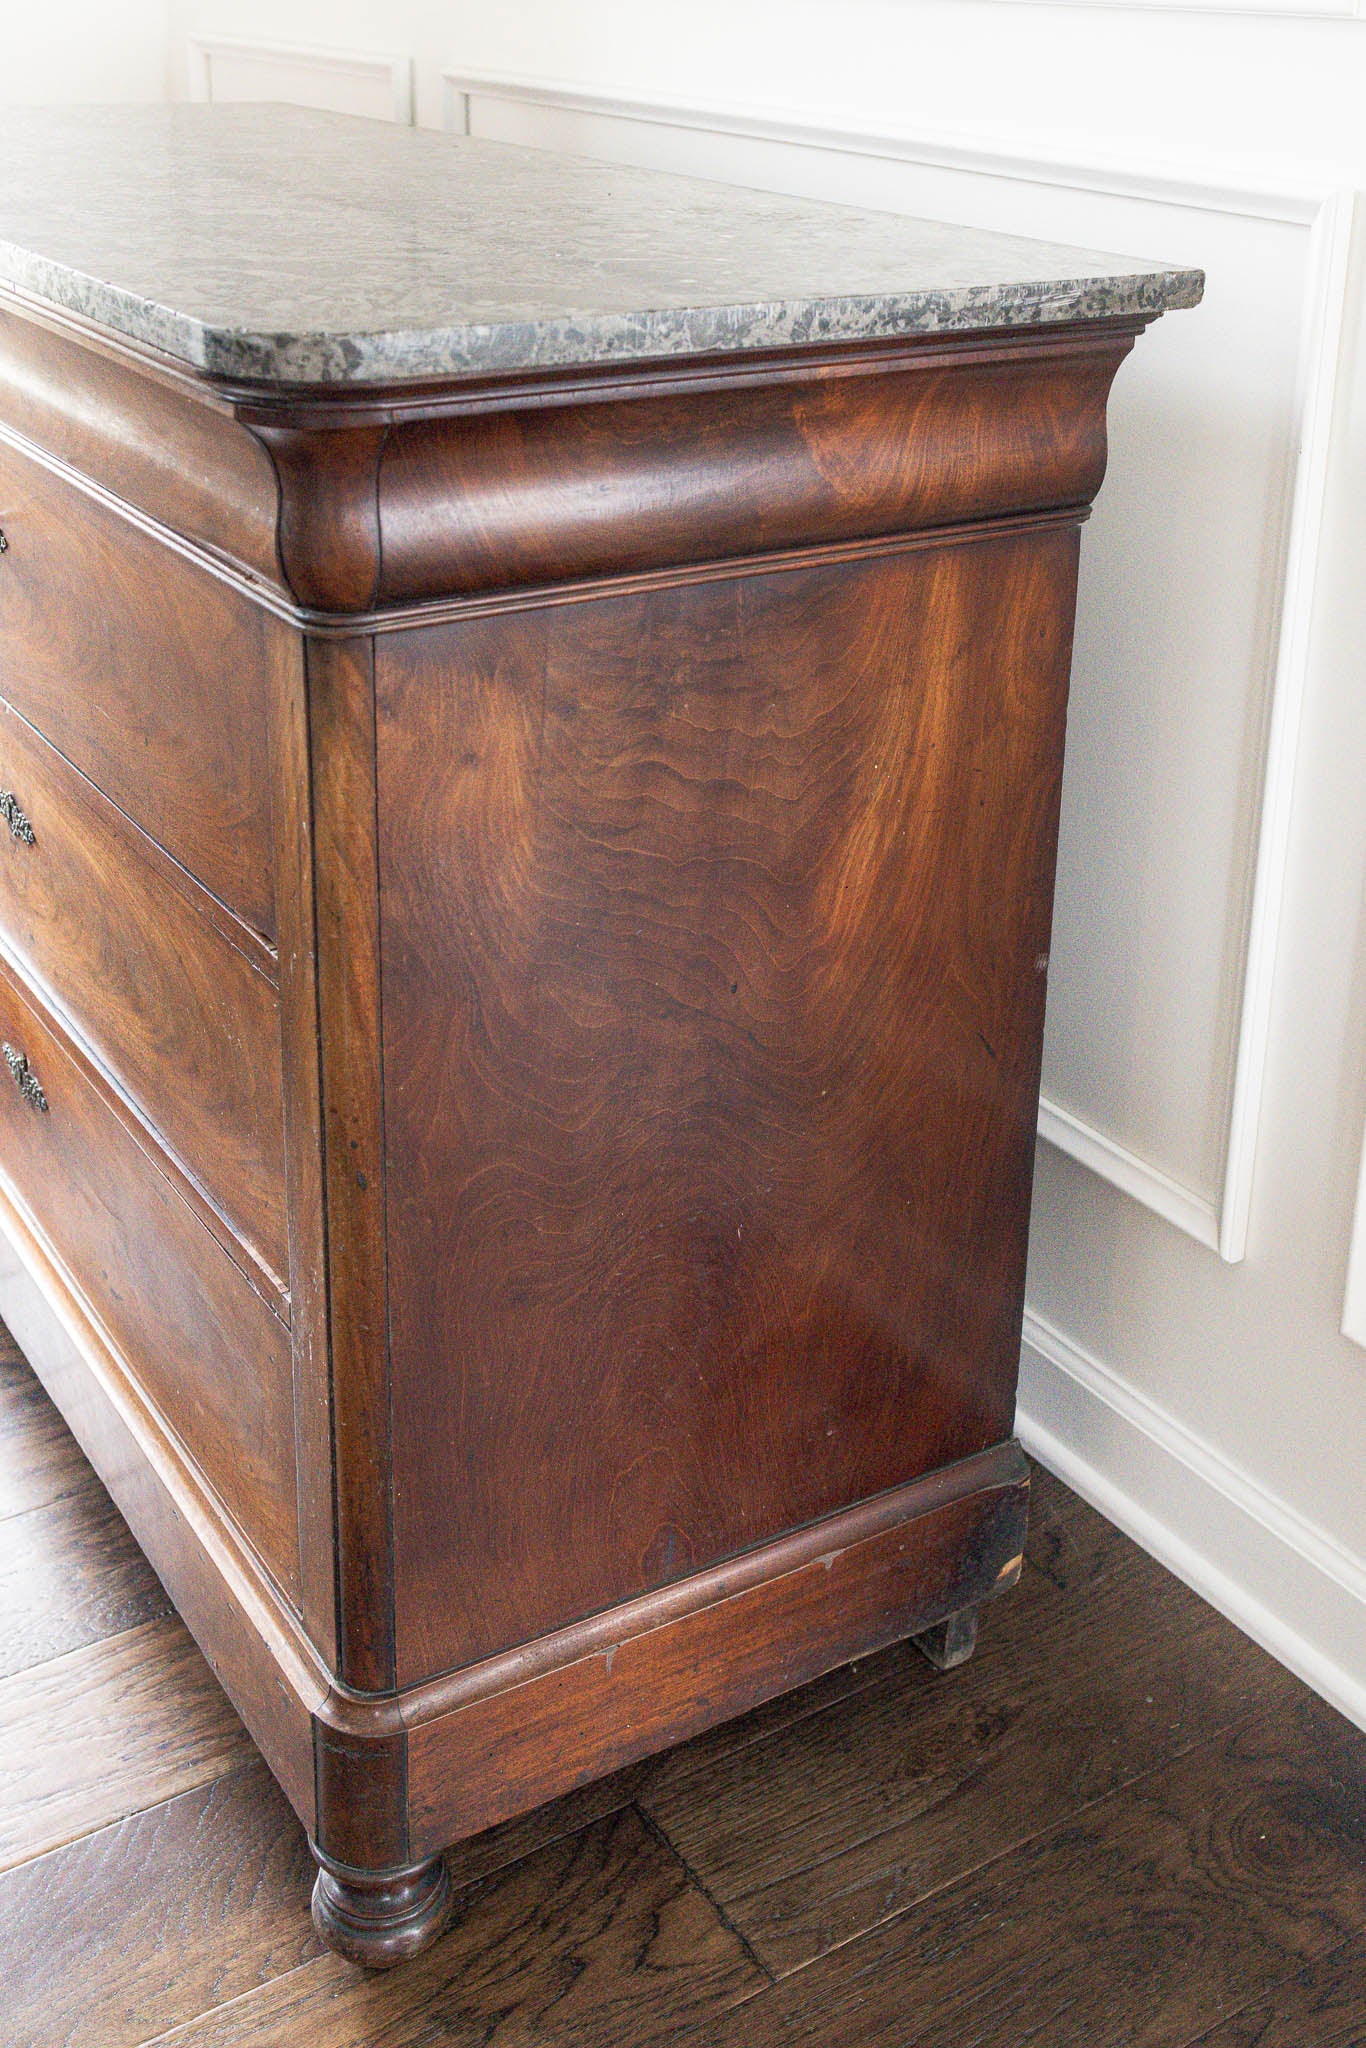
{"points": [[18, 824], [4, 544], [25, 1080]]}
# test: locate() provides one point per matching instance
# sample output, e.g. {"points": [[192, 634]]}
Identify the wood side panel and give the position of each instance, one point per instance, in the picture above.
{"points": [[620, 483], [218, 1589], [146, 671], [155, 436], [507, 1751], [184, 1020], [171, 1300], [714, 927], [292, 811], [341, 717]]}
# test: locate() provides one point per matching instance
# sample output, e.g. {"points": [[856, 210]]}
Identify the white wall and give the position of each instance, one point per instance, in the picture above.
{"points": [[83, 50], [1206, 1058]]}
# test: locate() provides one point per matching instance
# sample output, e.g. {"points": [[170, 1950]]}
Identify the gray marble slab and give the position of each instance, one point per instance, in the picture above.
{"points": [[280, 244]]}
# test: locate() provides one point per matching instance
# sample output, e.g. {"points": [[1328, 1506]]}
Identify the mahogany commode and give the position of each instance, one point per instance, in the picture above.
{"points": [[530, 745]]}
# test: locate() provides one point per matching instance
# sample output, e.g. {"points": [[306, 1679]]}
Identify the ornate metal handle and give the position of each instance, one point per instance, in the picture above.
{"points": [[18, 824], [25, 1080], [4, 544]]}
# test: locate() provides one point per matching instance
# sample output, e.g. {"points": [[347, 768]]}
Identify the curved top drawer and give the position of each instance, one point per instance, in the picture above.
{"points": [[146, 671]]}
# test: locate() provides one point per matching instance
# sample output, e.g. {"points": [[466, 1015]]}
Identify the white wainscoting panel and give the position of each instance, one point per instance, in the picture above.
{"points": [[1193, 624], [375, 83], [1284, 1581]]}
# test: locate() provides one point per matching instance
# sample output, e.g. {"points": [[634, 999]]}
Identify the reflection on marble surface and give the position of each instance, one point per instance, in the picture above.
{"points": [[276, 243]]}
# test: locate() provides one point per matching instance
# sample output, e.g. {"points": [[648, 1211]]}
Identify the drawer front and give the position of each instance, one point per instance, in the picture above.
{"points": [[203, 1347], [178, 1013], [147, 672]]}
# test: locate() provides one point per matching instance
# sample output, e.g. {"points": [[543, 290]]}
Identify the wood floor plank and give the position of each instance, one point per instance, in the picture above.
{"points": [[107, 1731], [1138, 1924], [755, 2024], [40, 1460], [71, 1574], [153, 1920], [1086, 1680], [1323, 2006], [599, 1939], [1077, 1563]]}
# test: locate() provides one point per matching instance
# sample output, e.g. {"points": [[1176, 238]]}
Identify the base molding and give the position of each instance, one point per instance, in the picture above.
{"points": [[1262, 1564]]}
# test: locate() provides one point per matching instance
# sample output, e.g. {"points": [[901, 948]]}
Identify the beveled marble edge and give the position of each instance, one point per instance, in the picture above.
{"points": [[476, 349]]}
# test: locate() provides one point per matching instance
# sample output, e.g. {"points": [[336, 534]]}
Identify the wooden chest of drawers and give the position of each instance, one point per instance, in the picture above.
{"points": [[522, 936]]}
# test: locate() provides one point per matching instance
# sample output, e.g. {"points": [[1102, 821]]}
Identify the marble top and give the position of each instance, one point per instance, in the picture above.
{"points": [[284, 245]]}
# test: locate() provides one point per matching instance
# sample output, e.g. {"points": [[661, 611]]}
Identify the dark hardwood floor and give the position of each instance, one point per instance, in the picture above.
{"points": [[1120, 1826]]}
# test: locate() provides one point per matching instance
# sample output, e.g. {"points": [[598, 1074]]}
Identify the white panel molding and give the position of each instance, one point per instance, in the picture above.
{"points": [[1194, 1213], [1354, 1302], [392, 70], [1286, 1583], [991, 150], [1218, 1219], [1322, 323]]}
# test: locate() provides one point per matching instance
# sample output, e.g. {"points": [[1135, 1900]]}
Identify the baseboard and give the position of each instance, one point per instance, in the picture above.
{"points": [[1283, 1581]]}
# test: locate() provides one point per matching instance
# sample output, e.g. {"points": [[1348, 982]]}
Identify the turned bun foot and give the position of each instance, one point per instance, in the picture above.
{"points": [[949, 1643], [380, 1917]]}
